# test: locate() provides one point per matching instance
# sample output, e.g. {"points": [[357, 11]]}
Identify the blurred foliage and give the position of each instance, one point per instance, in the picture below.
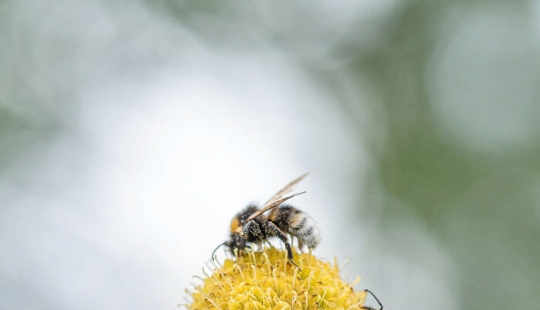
{"points": [[481, 207], [16, 135], [24, 119]]}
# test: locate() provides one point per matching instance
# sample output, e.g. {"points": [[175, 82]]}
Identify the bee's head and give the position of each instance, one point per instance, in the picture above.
{"points": [[237, 242]]}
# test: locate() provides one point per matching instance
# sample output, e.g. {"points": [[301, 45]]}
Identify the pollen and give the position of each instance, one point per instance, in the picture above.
{"points": [[267, 280]]}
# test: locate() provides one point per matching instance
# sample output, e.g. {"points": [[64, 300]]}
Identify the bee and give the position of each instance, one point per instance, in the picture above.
{"points": [[255, 225]]}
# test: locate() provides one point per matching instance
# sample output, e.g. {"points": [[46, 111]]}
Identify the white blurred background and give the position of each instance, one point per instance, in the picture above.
{"points": [[131, 132]]}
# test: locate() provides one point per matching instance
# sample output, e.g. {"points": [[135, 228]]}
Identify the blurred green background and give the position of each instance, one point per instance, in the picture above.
{"points": [[449, 115]]}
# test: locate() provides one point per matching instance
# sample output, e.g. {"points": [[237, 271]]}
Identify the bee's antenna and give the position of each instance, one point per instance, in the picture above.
{"points": [[217, 248], [377, 299]]}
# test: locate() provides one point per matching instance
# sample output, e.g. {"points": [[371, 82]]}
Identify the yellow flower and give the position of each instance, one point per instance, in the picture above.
{"points": [[266, 280]]}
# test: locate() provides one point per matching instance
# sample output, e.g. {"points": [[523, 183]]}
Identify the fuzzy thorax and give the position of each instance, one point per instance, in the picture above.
{"points": [[266, 280]]}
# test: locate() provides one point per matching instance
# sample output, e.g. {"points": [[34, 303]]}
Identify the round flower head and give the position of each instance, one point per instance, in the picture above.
{"points": [[267, 280]]}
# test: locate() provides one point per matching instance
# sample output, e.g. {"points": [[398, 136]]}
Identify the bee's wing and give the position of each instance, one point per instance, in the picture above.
{"points": [[284, 191], [279, 197], [272, 205]]}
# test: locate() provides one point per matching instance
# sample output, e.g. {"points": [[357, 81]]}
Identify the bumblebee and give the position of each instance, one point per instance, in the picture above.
{"points": [[255, 225]]}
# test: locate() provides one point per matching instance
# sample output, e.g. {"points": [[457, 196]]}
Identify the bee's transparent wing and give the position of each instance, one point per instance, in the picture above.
{"points": [[287, 189], [273, 205], [279, 198]]}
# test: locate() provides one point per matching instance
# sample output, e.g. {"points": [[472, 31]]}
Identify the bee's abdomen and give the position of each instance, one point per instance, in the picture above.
{"points": [[296, 223]]}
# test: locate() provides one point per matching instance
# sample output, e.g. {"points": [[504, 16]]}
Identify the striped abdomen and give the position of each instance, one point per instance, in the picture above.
{"points": [[297, 224]]}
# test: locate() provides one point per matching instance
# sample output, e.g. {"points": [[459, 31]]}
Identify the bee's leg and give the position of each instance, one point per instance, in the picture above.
{"points": [[300, 244], [377, 299], [276, 231]]}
